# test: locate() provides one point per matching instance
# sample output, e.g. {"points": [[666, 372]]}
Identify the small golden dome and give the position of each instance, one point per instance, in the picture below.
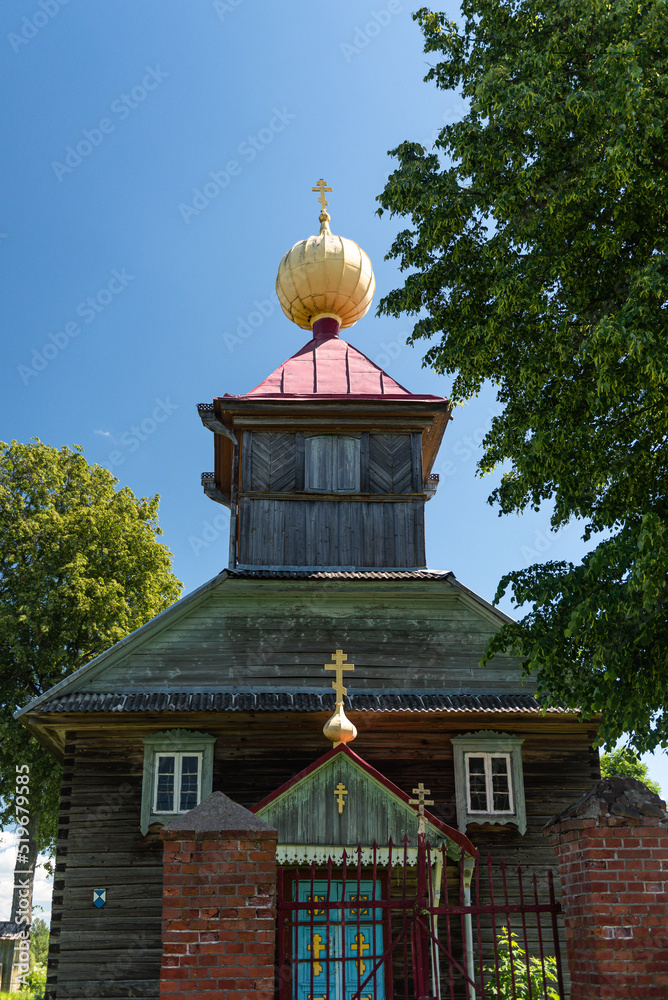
{"points": [[325, 275], [339, 728]]}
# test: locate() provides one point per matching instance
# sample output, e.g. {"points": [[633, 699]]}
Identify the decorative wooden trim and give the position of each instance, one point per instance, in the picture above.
{"points": [[489, 741]]}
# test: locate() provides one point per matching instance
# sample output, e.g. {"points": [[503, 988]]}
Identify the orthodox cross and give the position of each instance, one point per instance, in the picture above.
{"points": [[318, 946], [339, 665], [320, 186], [360, 946], [340, 792], [421, 802]]}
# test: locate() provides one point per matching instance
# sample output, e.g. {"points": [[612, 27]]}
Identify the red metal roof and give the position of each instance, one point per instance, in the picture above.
{"points": [[329, 367]]}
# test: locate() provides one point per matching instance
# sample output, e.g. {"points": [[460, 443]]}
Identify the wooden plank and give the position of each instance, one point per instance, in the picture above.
{"points": [[246, 462], [417, 484], [299, 460], [364, 463]]}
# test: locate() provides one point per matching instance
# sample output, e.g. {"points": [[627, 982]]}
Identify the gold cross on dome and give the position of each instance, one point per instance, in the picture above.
{"points": [[320, 186], [339, 665], [421, 802]]}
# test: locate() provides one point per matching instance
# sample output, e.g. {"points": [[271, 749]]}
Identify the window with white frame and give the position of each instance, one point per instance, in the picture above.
{"points": [[178, 774], [489, 785], [176, 782]]}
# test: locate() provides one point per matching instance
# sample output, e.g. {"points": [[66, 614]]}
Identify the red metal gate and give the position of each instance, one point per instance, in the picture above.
{"points": [[396, 922]]}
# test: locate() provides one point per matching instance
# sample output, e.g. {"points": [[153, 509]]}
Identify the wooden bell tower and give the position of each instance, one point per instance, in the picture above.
{"points": [[326, 464]]}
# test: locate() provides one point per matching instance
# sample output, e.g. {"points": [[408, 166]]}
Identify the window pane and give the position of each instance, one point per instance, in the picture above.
{"points": [[477, 788], [164, 799], [500, 784], [189, 782]]}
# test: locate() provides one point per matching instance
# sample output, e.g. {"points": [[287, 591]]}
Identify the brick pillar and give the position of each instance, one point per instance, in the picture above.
{"points": [[612, 848], [218, 905]]}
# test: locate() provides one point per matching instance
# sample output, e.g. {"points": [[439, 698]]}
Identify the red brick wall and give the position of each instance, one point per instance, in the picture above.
{"points": [[614, 877], [219, 917]]}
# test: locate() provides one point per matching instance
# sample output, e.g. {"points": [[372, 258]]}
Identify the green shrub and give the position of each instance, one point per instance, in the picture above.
{"points": [[523, 974]]}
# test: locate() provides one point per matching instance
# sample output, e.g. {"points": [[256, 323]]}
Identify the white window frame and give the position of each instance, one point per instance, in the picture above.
{"points": [[173, 743], [178, 756], [487, 743], [489, 790]]}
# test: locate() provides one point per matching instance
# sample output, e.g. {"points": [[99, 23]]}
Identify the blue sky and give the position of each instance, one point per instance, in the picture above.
{"points": [[158, 161]]}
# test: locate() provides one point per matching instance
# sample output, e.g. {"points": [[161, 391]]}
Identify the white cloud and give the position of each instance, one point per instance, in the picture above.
{"points": [[106, 434], [43, 884]]}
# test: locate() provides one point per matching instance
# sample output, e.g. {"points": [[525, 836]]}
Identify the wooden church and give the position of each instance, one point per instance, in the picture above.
{"points": [[326, 469]]}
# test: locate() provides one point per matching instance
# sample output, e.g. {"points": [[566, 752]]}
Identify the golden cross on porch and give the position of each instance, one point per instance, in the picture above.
{"points": [[318, 946], [421, 802], [320, 186], [339, 665], [360, 946]]}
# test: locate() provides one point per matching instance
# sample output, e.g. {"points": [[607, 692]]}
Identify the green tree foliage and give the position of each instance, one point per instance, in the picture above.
{"points": [[39, 941], [536, 260], [80, 568], [625, 761]]}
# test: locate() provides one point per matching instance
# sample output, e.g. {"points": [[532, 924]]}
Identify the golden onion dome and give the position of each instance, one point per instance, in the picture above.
{"points": [[325, 276]]}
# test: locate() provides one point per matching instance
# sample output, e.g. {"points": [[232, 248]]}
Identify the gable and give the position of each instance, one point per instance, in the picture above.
{"points": [[341, 801], [262, 632]]}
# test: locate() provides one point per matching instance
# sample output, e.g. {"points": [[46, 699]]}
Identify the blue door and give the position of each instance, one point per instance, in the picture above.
{"points": [[335, 969]]}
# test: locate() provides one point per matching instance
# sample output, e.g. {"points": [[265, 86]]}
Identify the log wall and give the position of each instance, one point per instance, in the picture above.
{"points": [[114, 952]]}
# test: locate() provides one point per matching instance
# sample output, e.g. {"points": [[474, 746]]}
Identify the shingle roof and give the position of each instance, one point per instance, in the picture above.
{"points": [[10, 930], [298, 701]]}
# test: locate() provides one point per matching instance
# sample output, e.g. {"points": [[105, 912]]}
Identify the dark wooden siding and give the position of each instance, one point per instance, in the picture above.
{"points": [[272, 462], [331, 533], [392, 461], [114, 952]]}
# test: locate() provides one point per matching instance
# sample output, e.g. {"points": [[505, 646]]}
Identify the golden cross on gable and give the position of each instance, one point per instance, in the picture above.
{"points": [[340, 792], [320, 186], [421, 802], [339, 665]]}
